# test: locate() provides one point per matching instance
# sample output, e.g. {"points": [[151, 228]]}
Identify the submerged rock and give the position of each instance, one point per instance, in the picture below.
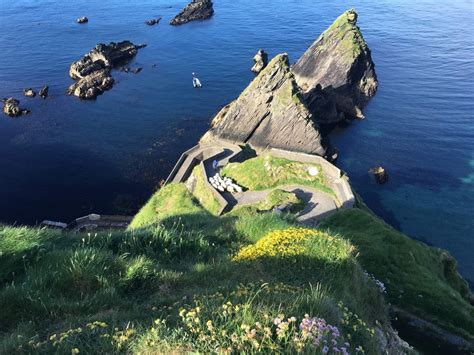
{"points": [[336, 74], [380, 174], [195, 10], [44, 92], [82, 19], [153, 21], [11, 108], [29, 92], [269, 114], [261, 60], [92, 71]]}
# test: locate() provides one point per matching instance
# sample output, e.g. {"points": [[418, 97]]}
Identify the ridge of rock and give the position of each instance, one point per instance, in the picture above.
{"points": [[336, 73], [195, 10], [92, 71], [269, 113]]}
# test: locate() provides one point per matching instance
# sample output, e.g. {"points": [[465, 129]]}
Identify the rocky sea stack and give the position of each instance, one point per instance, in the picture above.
{"points": [[195, 10], [336, 74], [269, 113], [92, 71], [11, 107]]}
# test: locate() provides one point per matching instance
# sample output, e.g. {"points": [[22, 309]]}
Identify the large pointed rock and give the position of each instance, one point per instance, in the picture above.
{"points": [[336, 74], [269, 114]]}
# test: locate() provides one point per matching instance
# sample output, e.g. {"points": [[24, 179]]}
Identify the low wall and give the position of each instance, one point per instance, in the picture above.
{"points": [[179, 163], [222, 201]]}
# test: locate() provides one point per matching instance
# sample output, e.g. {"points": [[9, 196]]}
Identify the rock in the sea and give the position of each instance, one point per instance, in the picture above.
{"points": [[11, 108], [153, 21], [92, 71], [29, 92], [82, 19], [380, 174], [92, 85], [261, 60], [336, 74], [195, 10], [269, 114], [44, 92]]}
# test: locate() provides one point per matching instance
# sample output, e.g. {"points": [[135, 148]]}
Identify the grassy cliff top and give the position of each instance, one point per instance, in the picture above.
{"points": [[183, 280], [265, 172]]}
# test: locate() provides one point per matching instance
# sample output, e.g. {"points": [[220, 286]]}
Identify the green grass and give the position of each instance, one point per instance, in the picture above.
{"points": [[265, 172], [171, 200], [203, 193], [104, 292], [420, 279], [279, 197], [173, 283]]}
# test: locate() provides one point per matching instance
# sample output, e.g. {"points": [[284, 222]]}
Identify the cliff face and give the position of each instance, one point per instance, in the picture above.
{"points": [[269, 113], [336, 74]]}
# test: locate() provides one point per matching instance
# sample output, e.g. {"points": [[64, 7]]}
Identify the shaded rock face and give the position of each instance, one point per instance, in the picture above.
{"points": [[261, 60], [269, 114], [92, 71], [195, 10], [44, 92], [336, 74], [11, 107]]}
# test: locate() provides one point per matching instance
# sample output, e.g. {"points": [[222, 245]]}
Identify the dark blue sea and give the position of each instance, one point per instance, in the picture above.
{"points": [[69, 158]]}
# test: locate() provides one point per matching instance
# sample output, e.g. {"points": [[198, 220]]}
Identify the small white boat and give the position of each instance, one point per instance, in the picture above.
{"points": [[196, 82]]}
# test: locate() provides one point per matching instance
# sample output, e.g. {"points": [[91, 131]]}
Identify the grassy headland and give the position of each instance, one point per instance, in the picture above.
{"points": [[181, 279]]}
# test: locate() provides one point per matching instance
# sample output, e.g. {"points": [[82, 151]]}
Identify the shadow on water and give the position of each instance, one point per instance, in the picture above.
{"points": [[60, 182]]}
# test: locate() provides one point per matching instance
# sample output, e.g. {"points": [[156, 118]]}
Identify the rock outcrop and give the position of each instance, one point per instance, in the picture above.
{"points": [[153, 21], [269, 114], [261, 60], [195, 10], [82, 19], [379, 174], [92, 71], [29, 92], [336, 74], [11, 108], [44, 92]]}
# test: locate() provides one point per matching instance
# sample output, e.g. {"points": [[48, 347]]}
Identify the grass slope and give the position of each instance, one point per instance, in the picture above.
{"points": [[264, 172], [420, 279], [172, 282]]}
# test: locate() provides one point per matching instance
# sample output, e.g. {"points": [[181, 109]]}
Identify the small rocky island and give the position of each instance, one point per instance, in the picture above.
{"points": [[284, 106], [92, 71], [336, 74], [195, 10], [11, 107]]}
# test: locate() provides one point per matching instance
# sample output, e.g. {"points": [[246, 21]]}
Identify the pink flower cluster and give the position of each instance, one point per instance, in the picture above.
{"points": [[322, 333]]}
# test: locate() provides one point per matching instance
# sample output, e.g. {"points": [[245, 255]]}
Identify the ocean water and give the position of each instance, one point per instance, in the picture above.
{"points": [[69, 158]]}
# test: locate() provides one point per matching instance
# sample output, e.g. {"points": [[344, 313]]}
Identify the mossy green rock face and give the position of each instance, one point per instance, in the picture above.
{"points": [[269, 113], [337, 73]]}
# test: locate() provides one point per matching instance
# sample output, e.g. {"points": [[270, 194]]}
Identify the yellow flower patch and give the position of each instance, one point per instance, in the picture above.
{"points": [[282, 243]]}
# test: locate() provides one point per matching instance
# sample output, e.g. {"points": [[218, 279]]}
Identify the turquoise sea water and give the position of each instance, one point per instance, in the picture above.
{"points": [[69, 158]]}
